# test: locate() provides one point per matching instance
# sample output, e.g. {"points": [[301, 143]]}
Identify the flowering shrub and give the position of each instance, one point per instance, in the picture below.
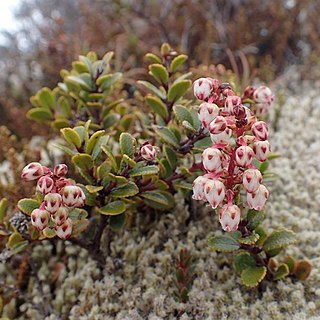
{"points": [[129, 157], [234, 167]]}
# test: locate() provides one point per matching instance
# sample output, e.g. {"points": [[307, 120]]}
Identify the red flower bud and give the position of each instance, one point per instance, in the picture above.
{"points": [[260, 130]]}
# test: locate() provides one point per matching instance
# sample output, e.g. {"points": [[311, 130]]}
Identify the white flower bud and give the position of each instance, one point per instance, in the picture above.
{"points": [[148, 152], [40, 219], [214, 191], [45, 185], [60, 170], [257, 199], [211, 159], [218, 125], [61, 216], [203, 87], [52, 202], [263, 95], [198, 188], [244, 155], [260, 130], [251, 179], [32, 171], [70, 195], [207, 112], [229, 217], [230, 103], [261, 150], [65, 230], [81, 200], [223, 137]]}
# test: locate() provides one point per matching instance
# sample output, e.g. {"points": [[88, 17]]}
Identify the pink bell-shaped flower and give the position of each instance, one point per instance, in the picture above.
{"points": [[211, 159], [214, 191], [251, 179], [229, 217], [257, 199]]}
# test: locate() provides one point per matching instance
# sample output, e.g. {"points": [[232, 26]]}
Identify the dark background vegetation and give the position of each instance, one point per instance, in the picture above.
{"points": [[252, 37]]}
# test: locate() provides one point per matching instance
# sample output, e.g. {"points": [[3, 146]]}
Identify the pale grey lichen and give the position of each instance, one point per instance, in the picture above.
{"points": [[138, 284]]}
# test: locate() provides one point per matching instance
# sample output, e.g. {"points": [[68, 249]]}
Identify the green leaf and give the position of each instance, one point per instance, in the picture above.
{"points": [[252, 276], [46, 98], [144, 171], [93, 141], [65, 149], [291, 263], [182, 114], [177, 62], [15, 238], [167, 136], [242, 261], [39, 114], [113, 208], [108, 80], [252, 239], [19, 247], [110, 155], [71, 136], [170, 156], [303, 270], [128, 190], [110, 120], [97, 148], [120, 180], [153, 57], [49, 233], [107, 57], [279, 239], [79, 81], [3, 209], [281, 272], [155, 196], [60, 124], [254, 218], [188, 126], [117, 222], [273, 253], [130, 162], [83, 161], [153, 89], [159, 72], [263, 167], [158, 199], [157, 106], [93, 189], [223, 244], [127, 144], [165, 49], [178, 89], [262, 235], [27, 205]]}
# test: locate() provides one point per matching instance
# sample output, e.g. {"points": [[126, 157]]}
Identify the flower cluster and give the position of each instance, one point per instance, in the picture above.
{"points": [[60, 196], [237, 138]]}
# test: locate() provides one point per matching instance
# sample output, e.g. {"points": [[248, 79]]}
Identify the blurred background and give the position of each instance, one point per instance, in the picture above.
{"points": [[254, 38]]}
